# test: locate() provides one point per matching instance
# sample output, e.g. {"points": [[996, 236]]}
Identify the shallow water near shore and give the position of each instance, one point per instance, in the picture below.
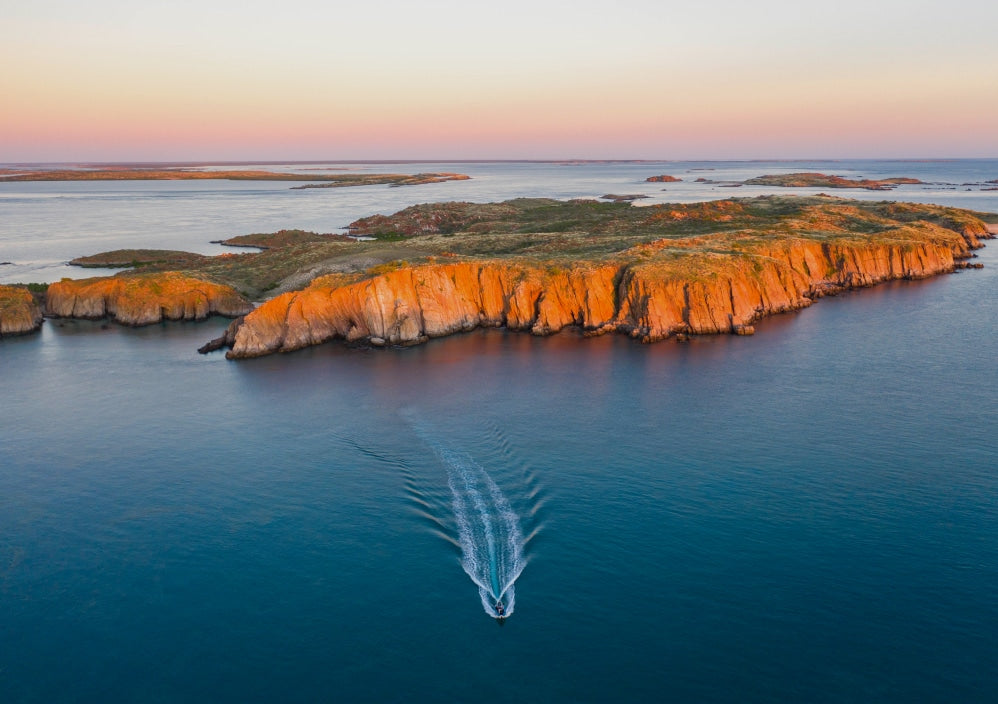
{"points": [[808, 514]]}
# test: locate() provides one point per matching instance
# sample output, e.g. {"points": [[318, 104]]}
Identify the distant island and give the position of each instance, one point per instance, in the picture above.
{"points": [[657, 272], [187, 174], [817, 180], [664, 178], [621, 198], [390, 179]]}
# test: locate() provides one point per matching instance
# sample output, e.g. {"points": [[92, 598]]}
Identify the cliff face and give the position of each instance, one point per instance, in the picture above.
{"points": [[711, 284], [19, 314], [143, 299]]}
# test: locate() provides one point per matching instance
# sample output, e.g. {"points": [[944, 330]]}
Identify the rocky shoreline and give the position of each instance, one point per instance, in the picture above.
{"points": [[537, 265], [818, 180], [143, 299], [694, 292], [20, 313]]}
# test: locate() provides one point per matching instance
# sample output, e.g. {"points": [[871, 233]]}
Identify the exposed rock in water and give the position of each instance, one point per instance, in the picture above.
{"points": [[666, 288], [143, 299], [664, 178], [19, 314], [227, 339]]}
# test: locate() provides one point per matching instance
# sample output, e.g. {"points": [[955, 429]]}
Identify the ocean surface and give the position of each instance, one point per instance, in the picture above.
{"points": [[807, 515]]}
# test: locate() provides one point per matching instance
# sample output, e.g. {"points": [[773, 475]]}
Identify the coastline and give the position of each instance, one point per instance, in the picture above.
{"points": [[652, 273], [12, 175], [646, 302]]}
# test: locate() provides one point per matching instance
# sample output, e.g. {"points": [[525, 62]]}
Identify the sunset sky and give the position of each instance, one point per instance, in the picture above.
{"points": [[223, 80]]}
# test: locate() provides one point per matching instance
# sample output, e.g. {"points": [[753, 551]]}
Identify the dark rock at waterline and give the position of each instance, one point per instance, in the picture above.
{"points": [[227, 339]]}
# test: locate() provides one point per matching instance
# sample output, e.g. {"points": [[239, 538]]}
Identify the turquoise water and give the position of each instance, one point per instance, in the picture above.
{"points": [[808, 514]]}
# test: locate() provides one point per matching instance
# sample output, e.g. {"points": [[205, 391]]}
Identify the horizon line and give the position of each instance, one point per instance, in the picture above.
{"points": [[567, 160]]}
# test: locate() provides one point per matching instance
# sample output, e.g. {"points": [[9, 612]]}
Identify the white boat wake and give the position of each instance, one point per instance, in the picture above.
{"points": [[486, 528], [489, 532]]}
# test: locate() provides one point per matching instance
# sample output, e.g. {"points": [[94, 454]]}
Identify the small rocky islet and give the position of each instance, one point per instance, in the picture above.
{"points": [[819, 180], [805, 180], [533, 264]]}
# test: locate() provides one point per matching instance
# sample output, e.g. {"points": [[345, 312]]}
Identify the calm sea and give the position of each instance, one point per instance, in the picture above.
{"points": [[809, 514]]}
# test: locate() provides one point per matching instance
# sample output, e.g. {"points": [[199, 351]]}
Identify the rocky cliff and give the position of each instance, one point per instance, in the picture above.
{"points": [[143, 299], [19, 314], [716, 283]]}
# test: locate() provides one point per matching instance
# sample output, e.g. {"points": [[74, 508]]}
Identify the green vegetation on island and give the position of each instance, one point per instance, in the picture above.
{"points": [[137, 258], [281, 238], [817, 180], [534, 230]]}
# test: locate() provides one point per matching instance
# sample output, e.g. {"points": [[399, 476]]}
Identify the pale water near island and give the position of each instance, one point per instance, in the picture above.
{"points": [[809, 514]]}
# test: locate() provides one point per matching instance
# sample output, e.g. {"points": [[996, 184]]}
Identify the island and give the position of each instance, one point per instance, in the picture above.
{"points": [[664, 178], [535, 264], [620, 198], [393, 180], [186, 174], [137, 258], [817, 180]]}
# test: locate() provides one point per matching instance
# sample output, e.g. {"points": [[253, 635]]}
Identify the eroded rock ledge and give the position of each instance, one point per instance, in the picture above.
{"points": [[143, 299], [717, 283], [19, 313]]}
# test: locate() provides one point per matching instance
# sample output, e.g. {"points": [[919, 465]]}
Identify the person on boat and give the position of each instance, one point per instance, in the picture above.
{"points": [[500, 610]]}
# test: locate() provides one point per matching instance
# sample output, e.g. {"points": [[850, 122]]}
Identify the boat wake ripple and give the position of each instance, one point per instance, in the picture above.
{"points": [[488, 529], [474, 516]]}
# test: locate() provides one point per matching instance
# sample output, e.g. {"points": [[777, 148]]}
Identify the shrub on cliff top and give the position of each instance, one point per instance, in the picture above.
{"points": [[387, 267]]}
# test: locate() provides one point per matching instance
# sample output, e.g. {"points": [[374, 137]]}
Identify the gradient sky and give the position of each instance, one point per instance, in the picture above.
{"points": [[114, 80]]}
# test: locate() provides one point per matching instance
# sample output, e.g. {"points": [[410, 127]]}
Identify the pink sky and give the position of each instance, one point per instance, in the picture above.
{"points": [[449, 80]]}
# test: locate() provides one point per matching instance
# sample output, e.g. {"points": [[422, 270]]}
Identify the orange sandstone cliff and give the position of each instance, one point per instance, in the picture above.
{"points": [[671, 287], [143, 299], [19, 314]]}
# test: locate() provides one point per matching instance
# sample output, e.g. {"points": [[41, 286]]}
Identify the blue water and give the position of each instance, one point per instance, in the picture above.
{"points": [[809, 514]]}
